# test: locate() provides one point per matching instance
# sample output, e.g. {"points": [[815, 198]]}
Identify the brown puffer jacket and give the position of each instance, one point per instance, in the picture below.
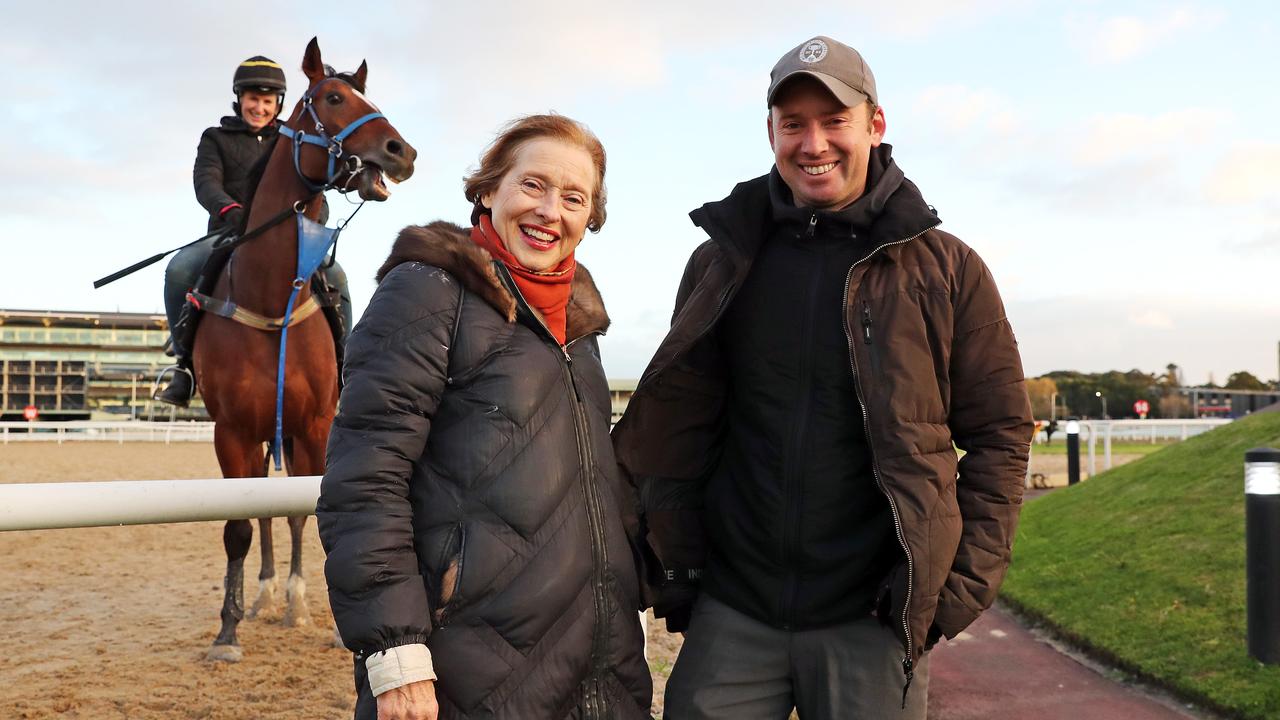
{"points": [[935, 363], [470, 499]]}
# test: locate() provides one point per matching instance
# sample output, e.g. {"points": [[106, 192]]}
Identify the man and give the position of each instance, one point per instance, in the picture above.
{"points": [[224, 159], [792, 438]]}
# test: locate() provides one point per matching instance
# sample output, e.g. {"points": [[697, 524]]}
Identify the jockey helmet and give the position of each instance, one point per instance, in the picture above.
{"points": [[259, 73]]}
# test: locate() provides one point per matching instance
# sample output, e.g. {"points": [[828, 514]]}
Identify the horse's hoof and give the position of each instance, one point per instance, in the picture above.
{"points": [[296, 613], [224, 653], [300, 617], [264, 606]]}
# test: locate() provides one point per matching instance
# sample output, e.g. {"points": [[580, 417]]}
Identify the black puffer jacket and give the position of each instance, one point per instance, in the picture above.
{"points": [[224, 158], [471, 499]]}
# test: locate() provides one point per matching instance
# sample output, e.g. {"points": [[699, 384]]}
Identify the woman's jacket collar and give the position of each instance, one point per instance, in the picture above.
{"points": [[449, 247]]}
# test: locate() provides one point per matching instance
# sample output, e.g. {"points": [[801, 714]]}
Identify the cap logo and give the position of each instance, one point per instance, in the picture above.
{"points": [[813, 51]]}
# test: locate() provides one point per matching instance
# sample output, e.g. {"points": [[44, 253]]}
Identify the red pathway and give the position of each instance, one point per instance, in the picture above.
{"points": [[999, 670]]}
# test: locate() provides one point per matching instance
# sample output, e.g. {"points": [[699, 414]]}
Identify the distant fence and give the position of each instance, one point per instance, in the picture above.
{"points": [[118, 431], [1138, 431]]}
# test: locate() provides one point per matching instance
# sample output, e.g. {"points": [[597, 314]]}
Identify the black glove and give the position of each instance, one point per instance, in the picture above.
{"points": [[234, 218]]}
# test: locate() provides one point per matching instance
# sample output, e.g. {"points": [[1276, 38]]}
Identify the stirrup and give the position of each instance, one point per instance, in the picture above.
{"points": [[179, 398]]}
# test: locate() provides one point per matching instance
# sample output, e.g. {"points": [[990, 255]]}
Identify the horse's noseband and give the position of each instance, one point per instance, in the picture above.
{"points": [[332, 145]]}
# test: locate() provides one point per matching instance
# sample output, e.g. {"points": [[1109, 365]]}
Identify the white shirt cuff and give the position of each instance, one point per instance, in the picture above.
{"points": [[399, 666]]}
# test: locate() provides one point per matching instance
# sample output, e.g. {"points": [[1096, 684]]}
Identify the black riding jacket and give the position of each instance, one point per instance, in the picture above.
{"points": [[224, 158]]}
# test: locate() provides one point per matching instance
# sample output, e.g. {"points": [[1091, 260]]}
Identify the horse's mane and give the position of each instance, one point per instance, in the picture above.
{"points": [[348, 78]]}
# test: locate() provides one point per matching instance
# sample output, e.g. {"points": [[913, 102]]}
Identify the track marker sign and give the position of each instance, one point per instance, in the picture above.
{"points": [[1142, 407]]}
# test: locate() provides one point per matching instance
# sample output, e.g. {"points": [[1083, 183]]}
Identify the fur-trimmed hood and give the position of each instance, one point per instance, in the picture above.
{"points": [[449, 247]]}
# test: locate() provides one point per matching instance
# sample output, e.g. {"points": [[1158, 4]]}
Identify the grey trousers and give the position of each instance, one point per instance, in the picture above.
{"points": [[735, 667]]}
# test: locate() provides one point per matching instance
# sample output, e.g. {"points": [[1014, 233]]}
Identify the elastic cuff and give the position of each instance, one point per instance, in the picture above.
{"points": [[224, 210], [399, 666]]}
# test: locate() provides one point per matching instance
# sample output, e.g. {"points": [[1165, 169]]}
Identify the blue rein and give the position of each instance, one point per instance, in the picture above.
{"points": [[314, 240]]}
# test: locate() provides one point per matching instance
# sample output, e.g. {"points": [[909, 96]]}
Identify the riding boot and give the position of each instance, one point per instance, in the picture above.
{"points": [[181, 384]]}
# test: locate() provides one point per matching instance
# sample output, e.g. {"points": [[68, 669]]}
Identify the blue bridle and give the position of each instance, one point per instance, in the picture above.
{"points": [[332, 145], [314, 239]]}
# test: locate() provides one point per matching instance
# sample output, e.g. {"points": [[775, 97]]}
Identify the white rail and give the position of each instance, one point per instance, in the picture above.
{"points": [[1140, 430], [47, 506], [118, 431]]}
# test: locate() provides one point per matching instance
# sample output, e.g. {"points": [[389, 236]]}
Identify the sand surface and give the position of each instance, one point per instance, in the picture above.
{"points": [[110, 623]]}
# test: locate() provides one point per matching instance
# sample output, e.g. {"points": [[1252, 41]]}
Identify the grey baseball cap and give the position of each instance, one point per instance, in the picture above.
{"points": [[837, 66]]}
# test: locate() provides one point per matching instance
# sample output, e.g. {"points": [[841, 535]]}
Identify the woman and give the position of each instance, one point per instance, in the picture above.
{"points": [[471, 510]]}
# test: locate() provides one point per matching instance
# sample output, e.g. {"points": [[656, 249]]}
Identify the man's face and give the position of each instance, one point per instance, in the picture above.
{"points": [[257, 109], [820, 146]]}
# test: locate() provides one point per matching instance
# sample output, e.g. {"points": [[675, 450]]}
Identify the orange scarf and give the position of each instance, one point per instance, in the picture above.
{"points": [[547, 292]]}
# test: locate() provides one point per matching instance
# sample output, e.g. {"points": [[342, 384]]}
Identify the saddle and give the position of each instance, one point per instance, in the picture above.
{"points": [[200, 300]]}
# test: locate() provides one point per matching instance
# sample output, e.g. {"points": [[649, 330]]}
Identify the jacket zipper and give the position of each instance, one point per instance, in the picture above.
{"points": [[908, 666], [599, 553]]}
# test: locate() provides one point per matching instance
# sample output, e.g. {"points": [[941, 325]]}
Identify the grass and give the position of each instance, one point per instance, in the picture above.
{"points": [[1144, 566]]}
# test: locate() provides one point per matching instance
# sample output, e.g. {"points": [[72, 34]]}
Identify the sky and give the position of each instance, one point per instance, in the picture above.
{"points": [[1117, 164]]}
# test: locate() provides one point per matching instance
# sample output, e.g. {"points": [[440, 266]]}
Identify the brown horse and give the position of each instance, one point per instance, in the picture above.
{"points": [[236, 364]]}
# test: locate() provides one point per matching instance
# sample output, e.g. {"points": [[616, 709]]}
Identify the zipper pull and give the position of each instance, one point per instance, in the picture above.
{"points": [[813, 225], [910, 673], [866, 322]]}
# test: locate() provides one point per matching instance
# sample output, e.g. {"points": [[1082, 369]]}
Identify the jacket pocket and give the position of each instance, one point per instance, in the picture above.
{"points": [[450, 579]]}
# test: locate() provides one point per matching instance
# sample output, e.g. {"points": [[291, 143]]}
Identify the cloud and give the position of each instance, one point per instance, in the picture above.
{"points": [[1202, 335], [1122, 38], [1248, 173], [1151, 318], [1112, 138], [961, 109]]}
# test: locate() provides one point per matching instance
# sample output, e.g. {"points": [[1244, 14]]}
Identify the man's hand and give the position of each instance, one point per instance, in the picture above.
{"points": [[415, 701]]}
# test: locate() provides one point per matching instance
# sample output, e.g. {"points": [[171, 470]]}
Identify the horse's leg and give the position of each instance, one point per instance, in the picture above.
{"points": [[237, 458], [296, 613], [264, 605]]}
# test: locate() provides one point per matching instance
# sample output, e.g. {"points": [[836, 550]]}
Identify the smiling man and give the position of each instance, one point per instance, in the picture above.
{"points": [[793, 439]]}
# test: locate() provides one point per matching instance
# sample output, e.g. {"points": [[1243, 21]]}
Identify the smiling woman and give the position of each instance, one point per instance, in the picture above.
{"points": [[479, 559]]}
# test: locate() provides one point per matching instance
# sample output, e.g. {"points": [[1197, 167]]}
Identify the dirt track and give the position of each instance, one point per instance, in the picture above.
{"points": [[113, 623], [110, 623]]}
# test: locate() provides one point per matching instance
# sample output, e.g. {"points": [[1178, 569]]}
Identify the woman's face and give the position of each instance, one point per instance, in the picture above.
{"points": [[542, 205]]}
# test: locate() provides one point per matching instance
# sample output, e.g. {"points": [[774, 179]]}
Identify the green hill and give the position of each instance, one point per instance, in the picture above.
{"points": [[1144, 566]]}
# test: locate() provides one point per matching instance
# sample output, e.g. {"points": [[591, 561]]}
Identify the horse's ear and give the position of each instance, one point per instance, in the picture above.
{"points": [[361, 74], [312, 65]]}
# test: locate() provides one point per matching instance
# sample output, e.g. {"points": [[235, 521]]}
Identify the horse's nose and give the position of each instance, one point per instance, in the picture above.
{"points": [[400, 149]]}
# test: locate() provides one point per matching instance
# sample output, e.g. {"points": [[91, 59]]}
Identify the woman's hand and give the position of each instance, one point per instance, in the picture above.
{"points": [[415, 701]]}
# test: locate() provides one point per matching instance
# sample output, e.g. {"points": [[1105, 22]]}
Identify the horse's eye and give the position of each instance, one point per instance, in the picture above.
{"points": [[334, 99]]}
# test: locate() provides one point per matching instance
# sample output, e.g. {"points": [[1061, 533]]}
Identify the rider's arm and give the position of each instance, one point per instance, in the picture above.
{"points": [[207, 176]]}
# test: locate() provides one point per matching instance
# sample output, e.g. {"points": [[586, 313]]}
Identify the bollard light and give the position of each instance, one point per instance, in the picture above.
{"points": [[1262, 552], [1073, 451]]}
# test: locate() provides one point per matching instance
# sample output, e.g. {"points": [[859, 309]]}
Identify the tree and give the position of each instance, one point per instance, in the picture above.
{"points": [[1174, 405], [1244, 380], [1041, 391]]}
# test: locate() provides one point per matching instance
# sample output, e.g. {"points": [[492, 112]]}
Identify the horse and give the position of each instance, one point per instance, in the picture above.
{"points": [[350, 145]]}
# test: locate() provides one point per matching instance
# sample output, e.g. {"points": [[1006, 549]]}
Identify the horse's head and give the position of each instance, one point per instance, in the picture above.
{"points": [[352, 144]]}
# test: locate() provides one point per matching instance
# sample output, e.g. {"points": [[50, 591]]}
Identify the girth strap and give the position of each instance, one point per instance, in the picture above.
{"points": [[232, 311]]}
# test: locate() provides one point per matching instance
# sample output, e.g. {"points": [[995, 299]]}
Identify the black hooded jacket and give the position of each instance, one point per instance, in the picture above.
{"points": [[471, 499], [224, 158]]}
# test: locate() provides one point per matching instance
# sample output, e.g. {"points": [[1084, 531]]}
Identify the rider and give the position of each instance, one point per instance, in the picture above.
{"points": [[224, 159]]}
